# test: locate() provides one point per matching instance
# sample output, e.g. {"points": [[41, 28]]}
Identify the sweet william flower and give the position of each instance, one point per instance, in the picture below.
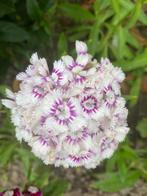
{"points": [[14, 192], [30, 191], [74, 115]]}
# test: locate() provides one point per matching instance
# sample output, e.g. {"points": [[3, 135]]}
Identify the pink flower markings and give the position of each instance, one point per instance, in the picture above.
{"points": [[31, 191], [73, 116]]}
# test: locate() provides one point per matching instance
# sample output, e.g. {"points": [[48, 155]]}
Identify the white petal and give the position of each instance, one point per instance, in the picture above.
{"points": [[34, 58], [59, 65], [64, 80], [77, 123], [81, 47], [38, 148], [42, 71], [10, 94], [121, 133], [8, 103], [82, 60], [68, 60], [44, 64], [21, 76], [23, 134], [118, 74]]}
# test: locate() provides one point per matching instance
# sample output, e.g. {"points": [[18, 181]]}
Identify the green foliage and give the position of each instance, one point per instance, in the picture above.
{"points": [[10, 32], [81, 14], [33, 10], [57, 187], [62, 44], [113, 182], [142, 128], [135, 90], [6, 8], [122, 170]]}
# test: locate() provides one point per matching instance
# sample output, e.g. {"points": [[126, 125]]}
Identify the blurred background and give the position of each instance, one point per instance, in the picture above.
{"points": [[112, 28]]}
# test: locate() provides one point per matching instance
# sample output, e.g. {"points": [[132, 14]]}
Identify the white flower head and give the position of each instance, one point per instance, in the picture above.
{"points": [[73, 116]]}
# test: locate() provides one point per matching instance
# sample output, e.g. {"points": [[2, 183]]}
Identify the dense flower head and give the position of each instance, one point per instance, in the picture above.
{"points": [[73, 116]]}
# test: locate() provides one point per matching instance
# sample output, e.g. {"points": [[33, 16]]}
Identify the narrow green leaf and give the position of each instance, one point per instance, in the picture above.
{"points": [[121, 42], [6, 7], [139, 61], [116, 6], [10, 32], [142, 128], [26, 160], [93, 38], [62, 44], [143, 18], [100, 5], [33, 10], [113, 183], [135, 15], [76, 12], [6, 152], [128, 5], [135, 90], [3, 89], [126, 9], [131, 40], [56, 187]]}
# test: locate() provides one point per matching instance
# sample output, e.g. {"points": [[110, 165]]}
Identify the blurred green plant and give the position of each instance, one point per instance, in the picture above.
{"points": [[111, 28]]}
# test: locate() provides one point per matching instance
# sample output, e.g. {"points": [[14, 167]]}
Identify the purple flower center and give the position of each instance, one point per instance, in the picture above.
{"points": [[57, 76], [44, 141], [38, 92], [89, 104], [77, 137], [79, 79], [63, 111], [83, 157], [48, 141]]}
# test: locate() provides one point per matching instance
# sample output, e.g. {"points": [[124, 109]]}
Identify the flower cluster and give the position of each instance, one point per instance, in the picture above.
{"points": [[73, 116], [31, 191]]}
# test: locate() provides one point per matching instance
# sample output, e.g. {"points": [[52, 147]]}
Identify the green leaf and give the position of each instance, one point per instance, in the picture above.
{"points": [[121, 42], [126, 9], [143, 18], [56, 187], [100, 5], [76, 12], [139, 61], [93, 38], [131, 40], [135, 90], [6, 7], [3, 89], [128, 5], [135, 14], [10, 32], [62, 44], [25, 157], [142, 128], [6, 152], [33, 10], [113, 183], [116, 6]]}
